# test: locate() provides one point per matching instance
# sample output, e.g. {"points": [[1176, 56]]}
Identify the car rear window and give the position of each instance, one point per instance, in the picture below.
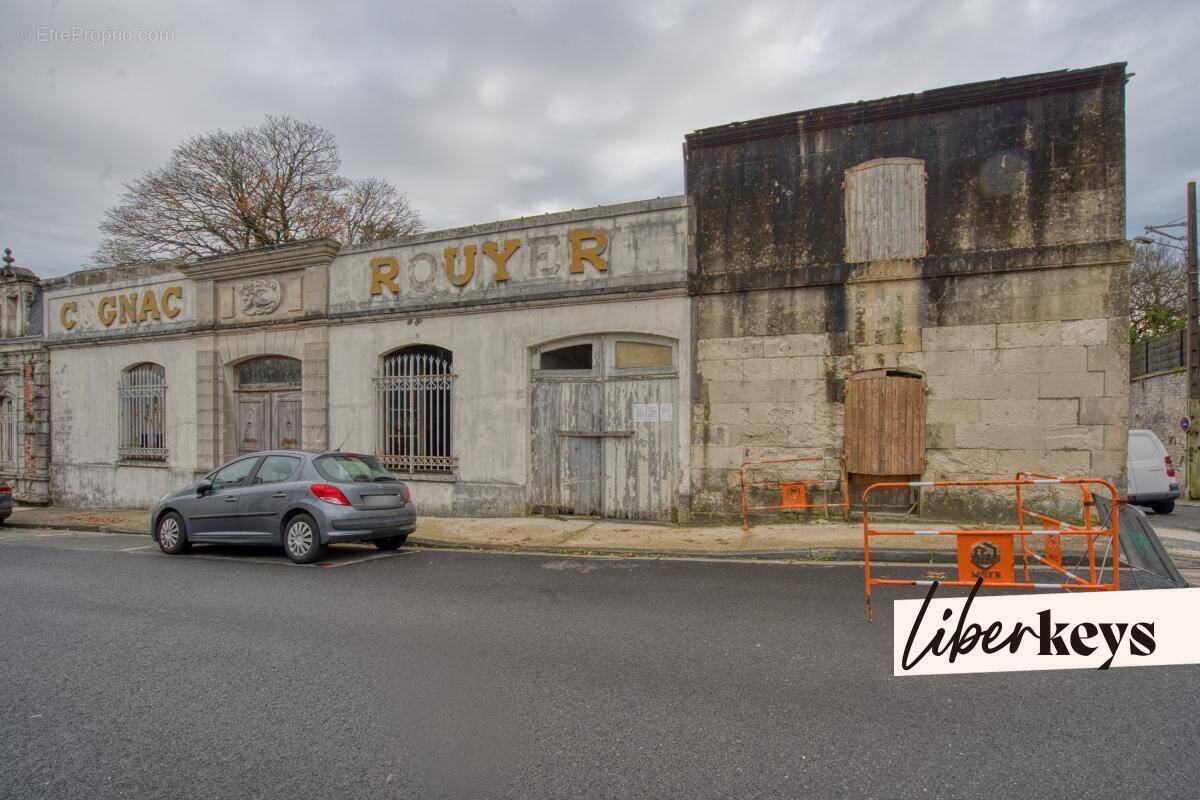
{"points": [[352, 468]]}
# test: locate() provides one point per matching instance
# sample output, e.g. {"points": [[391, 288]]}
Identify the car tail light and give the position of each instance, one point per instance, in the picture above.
{"points": [[405, 494], [5, 488], [329, 494], [1170, 468]]}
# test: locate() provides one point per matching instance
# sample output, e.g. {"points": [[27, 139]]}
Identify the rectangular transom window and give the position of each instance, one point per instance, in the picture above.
{"points": [[577, 356], [632, 355], [141, 401]]}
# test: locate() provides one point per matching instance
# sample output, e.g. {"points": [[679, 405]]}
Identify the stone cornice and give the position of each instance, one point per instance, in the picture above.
{"points": [[906, 105], [295, 255]]}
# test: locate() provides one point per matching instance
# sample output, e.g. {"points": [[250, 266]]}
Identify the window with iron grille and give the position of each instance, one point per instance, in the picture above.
{"points": [[413, 404], [141, 400], [8, 434]]}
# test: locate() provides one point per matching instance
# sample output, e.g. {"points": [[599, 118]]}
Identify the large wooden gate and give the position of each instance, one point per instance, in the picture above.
{"points": [[604, 438], [885, 429]]}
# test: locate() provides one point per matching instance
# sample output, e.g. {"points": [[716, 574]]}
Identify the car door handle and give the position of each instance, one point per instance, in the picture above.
{"points": [[230, 499], [279, 494]]}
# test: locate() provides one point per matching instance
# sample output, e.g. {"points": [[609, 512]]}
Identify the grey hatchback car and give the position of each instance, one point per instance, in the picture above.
{"points": [[299, 500]]}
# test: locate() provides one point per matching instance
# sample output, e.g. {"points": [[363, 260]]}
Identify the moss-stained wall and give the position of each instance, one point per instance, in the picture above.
{"points": [[1017, 315]]}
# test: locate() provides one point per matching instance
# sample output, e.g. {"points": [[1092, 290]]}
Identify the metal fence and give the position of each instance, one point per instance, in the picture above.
{"points": [[412, 397], [141, 400], [1158, 354]]}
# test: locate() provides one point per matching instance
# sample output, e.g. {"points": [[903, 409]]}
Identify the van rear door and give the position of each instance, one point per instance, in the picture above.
{"points": [[1147, 465]]}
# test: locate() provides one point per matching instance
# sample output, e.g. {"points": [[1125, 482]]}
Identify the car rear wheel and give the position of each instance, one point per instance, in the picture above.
{"points": [[302, 540], [172, 539], [1165, 507], [392, 542]]}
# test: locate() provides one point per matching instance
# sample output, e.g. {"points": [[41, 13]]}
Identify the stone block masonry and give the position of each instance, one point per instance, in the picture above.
{"points": [[1015, 322]]}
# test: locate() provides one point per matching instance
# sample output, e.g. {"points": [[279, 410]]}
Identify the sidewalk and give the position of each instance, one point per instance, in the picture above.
{"points": [[819, 540]]}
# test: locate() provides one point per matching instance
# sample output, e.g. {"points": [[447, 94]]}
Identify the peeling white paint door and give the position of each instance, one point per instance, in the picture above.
{"points": [[605, 428], [567, 457], [640, 468]]}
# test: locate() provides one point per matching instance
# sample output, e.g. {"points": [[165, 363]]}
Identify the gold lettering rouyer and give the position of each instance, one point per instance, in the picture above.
{"points": [[588, 246]]}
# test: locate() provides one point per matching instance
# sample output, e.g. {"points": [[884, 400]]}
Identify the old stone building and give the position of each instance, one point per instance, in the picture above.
{"points": [[963, 248], [930, 286], [534, 364]]}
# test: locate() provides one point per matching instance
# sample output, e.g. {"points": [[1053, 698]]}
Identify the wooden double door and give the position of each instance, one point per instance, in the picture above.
{"points": [[268, 420], [605, 447]]}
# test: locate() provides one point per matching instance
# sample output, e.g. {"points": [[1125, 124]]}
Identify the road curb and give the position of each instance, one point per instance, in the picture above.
{"points": [[820, 554], [88, 527], [817, 554]]}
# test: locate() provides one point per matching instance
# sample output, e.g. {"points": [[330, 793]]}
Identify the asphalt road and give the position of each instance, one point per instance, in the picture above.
{"points": [[1184, 516], [125, 673]]}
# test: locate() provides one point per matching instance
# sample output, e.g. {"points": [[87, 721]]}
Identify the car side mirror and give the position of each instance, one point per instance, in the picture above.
{"points": [[203, 487]]}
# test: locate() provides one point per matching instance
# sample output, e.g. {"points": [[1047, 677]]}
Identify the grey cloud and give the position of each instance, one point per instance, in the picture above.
{"points": [[481, 111]]}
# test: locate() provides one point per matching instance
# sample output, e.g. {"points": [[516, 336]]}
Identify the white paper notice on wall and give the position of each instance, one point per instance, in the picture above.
{"points": [[653, 412]]}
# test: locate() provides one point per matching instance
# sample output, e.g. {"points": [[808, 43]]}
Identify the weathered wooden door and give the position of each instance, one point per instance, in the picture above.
{"points": [[605, 428], [268, 421], [285, 420], [885, 430], [567, 469], [640, 467]]}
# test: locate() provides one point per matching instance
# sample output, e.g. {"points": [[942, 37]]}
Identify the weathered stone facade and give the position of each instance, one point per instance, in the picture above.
{"points": [[24, 388], [1014, 309]]}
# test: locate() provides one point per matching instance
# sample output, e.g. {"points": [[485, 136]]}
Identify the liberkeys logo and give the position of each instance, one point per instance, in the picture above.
{"points": [[1098, 630]]}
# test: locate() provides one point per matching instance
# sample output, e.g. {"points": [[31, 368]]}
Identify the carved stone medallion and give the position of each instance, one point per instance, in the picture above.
{"points": [[259, 296]]}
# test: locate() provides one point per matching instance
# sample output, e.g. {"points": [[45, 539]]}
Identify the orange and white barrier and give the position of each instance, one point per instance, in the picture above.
{"points": [[797, 493], [990, 554]]}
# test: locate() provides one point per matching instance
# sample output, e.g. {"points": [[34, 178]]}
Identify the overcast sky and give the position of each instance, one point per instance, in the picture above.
{"points": [[483, 111]]}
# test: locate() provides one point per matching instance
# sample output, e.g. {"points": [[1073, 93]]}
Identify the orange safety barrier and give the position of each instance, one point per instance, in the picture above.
{"points": [[989, 554], [793, 495]]}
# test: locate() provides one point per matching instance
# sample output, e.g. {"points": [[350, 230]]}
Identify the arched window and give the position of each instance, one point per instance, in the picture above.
{"points": [[413, 406], [8, 434], [141, 401]]}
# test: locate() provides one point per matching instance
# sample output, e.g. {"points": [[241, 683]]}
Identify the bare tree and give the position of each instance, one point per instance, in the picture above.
{"points": [[1157, 291], [226, 191]]}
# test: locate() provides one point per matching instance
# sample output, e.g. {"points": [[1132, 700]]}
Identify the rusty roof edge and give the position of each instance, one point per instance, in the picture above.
{"points": [[927, 102]]}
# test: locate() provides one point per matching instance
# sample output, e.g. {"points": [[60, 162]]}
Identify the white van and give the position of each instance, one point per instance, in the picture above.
{"points": [[1150, 475]]}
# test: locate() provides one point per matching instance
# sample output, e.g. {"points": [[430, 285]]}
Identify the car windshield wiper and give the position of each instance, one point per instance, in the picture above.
{"points": [[384, 478]]}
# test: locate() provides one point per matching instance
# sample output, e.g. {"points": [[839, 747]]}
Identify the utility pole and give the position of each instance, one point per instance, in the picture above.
{"points": [[1193, 349]]}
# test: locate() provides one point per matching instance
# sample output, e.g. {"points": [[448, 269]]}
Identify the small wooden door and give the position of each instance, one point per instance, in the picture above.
{"points": [[885, 430]]}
